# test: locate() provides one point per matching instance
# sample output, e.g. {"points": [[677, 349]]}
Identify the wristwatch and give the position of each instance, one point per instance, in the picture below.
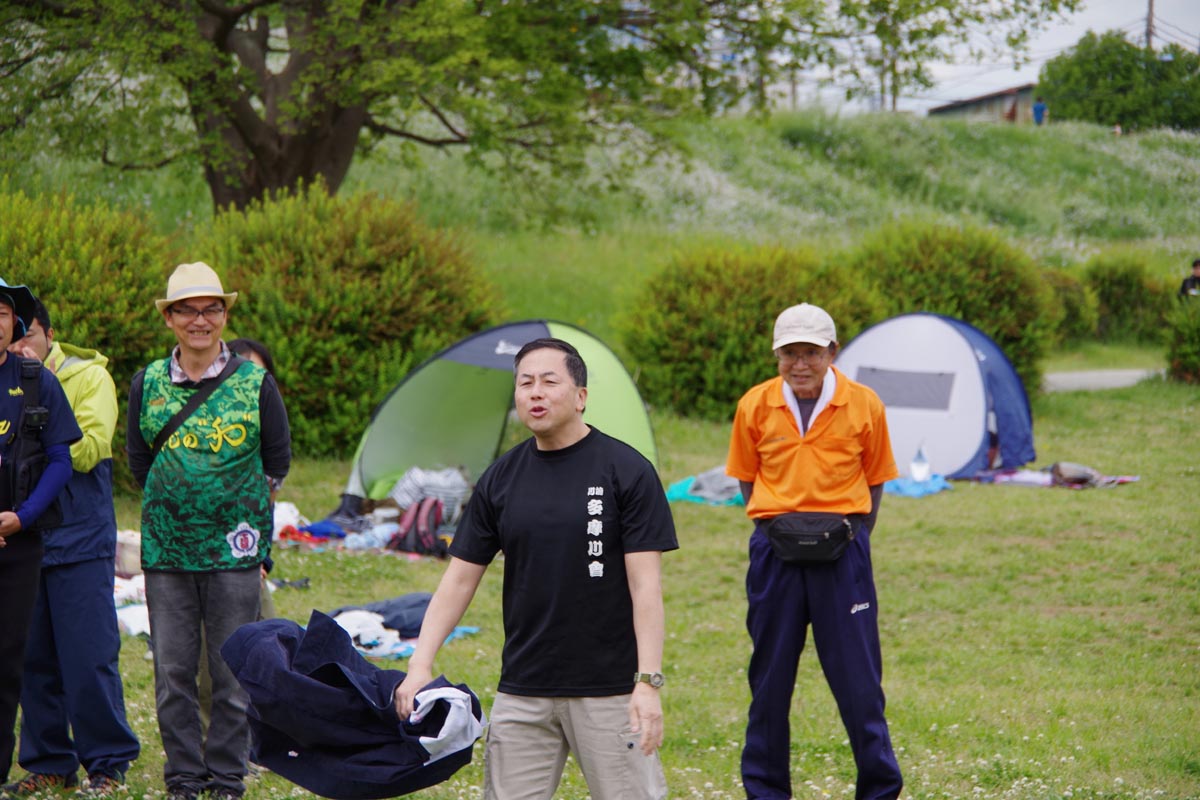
{"points": [[655, 679]]}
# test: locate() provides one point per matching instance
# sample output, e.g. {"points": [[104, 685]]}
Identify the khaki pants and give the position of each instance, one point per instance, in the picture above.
{"points": [[529, 738]]}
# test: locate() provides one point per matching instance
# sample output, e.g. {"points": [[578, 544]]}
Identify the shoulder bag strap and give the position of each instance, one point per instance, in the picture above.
{"points": [[31, 371], [198, 397]]}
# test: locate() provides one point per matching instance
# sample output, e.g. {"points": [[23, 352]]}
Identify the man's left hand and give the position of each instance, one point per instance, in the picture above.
{"points": [[646, 717]]}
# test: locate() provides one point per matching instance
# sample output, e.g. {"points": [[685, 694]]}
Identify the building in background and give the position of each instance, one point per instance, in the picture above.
{"points": [[1014, 104]]}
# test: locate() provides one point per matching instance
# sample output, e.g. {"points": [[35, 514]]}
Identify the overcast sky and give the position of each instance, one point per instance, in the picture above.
{"points": [[1175, 21]]}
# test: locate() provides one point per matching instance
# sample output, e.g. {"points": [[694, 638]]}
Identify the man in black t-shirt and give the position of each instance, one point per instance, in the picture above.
{"points": [[582, 521]]}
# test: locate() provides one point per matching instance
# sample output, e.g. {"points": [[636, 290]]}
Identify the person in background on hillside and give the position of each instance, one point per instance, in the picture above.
{"points": [[582, 520], [34, 433], [1191, 284], [1039, 111], [72, 699], [812, 440], [203, 545]]}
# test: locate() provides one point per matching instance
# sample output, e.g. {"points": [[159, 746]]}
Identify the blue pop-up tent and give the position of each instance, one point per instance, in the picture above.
{"points": [[949, 391]]}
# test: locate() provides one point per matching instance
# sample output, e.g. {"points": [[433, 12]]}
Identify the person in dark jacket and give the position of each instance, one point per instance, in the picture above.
{"points": [[24, 509], [1191, 284], [72, 700]]}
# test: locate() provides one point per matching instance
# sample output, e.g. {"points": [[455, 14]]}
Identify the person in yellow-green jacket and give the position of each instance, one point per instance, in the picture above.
{"points": [[72, 700]]}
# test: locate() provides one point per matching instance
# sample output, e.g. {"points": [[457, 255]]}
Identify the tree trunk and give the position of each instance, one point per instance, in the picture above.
{"points": [[240, 171]]}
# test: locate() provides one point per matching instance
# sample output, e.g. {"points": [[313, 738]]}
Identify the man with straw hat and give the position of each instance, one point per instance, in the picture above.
{"points": [[209, 442]]}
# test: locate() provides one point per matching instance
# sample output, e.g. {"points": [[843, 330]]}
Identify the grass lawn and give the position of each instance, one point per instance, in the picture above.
{"points": [[1038, 643]]}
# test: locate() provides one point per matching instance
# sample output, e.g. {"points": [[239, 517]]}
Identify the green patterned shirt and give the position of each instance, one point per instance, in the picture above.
{"points": [[206, 504]]}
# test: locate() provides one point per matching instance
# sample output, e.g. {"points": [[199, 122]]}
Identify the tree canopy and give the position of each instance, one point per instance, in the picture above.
{"points": [[887, 46], [1109, 80], [270, 95]]}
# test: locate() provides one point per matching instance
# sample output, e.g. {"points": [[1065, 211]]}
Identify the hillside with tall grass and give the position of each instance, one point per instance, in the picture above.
{"points": [[1064, 192]]}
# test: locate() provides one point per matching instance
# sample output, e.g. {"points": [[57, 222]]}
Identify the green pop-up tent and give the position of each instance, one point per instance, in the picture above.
{"points": [[454, 410]]}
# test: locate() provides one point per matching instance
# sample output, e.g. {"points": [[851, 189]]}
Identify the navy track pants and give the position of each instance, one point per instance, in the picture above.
{"points": [[838, 601], [72, 700]]}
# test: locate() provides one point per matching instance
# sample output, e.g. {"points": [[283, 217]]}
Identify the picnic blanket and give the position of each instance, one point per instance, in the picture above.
{"points": [[1061, 474], [907, 487]]}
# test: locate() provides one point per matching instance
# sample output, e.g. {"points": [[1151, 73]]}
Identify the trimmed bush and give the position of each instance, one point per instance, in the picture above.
{"points": [[98, 271], [349, 292], [1183, 342], [968, 273], [1076, 306], [1133, 303], [699, 333]]}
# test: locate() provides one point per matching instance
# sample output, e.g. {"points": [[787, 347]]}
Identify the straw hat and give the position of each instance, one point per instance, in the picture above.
{"points": [[194, 280]]}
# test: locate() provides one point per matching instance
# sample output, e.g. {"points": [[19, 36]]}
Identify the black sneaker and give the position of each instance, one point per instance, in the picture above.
{"points": [[223, 794], [100, 785], [37, 783], [181, 794]]}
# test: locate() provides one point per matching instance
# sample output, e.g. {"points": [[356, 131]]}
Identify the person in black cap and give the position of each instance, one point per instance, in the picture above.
{"points": [[72, 698], [34, 431], [1191, 284]]}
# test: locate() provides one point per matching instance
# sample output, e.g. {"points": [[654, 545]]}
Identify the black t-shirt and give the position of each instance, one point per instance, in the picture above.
{"points": [[564, 520]]}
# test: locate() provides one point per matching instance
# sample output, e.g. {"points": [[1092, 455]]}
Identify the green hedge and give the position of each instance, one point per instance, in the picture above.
{"points": [[1183, 341], [349, 292], [1078, 308], [98, 271], [1133, 303], [699, 334]]}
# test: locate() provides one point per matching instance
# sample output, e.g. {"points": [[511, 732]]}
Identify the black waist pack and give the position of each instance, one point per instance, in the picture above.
{"points": [[809, 537]]}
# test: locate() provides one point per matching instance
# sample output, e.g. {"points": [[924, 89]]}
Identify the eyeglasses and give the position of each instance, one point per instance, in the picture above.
{"points": [[212, 313], [809, 357]]}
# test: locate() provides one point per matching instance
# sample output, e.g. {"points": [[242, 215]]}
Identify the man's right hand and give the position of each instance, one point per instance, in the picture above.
{"points": [[418, 678]]}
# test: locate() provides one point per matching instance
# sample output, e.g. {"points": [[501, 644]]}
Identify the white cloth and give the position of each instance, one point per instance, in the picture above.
{"points": [[288, 514], [447, 485], [459, 731], [789, 397]]}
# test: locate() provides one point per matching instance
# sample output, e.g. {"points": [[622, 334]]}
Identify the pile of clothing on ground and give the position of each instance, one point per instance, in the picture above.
{"points": [[418, 516]]}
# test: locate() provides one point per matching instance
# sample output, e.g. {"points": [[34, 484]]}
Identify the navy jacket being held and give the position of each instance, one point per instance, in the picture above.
{"points": [[322, 716]]}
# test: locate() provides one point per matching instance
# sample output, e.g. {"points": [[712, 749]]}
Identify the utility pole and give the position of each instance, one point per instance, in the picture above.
{"points": [[1150, 25]]}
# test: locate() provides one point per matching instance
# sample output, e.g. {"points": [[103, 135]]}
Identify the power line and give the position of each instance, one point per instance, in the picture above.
{"points": [[1172, 38], [1162, 21]]}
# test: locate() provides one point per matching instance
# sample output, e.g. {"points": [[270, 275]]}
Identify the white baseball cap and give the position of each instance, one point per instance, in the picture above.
{"points": [[804, 323]]}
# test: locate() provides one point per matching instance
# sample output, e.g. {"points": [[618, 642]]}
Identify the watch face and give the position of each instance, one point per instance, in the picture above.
{"points": [[655, 679]]}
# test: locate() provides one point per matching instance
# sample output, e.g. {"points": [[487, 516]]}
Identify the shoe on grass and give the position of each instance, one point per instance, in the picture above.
{"points": [[38, 784], [100, 785]]}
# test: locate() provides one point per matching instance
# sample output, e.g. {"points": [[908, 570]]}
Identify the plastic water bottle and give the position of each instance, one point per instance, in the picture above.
{"points": [[919, 469]]}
